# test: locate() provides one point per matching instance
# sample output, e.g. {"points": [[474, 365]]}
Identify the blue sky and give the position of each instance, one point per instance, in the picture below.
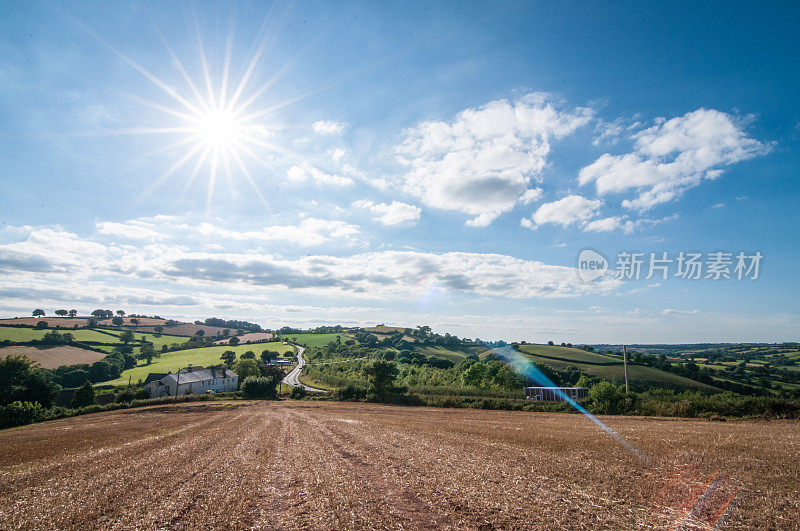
{"points": [[404, 163]]}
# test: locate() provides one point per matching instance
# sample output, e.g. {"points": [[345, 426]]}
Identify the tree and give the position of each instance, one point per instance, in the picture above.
{"points": [[147, 352], [126, 337], [233, 341], [550, 343], [117, 321], [268, 355], [61, 313], [84, 395], [607, 398], [158, 329], [249, 355], [41, 325], [200, 333], [135, 321], [121, 313], [100, 314], [73, 313], [22, 380], [381, 375], [247, 368], [228, 357], [101, 371], [475, 375], [38, 312]]}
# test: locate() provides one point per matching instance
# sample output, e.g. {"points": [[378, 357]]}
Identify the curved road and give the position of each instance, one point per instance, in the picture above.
{"points": [[293, 378]]}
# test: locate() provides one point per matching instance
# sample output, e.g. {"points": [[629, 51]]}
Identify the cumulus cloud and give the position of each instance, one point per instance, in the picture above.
{"points": [[304, 172], [482, 162], [109, 271], [327, 127], [565, 211], [392, 273], [390, 214], [673, 156]]}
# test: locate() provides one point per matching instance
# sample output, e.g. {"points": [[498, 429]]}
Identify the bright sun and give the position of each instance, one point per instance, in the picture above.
{"points": [[218, 129]]}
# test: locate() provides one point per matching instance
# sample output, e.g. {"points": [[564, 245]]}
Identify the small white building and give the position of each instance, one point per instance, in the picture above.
{"points": [[191, 380], [556, 394]]}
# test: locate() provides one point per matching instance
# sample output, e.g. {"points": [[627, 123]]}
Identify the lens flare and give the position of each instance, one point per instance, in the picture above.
{"points": [[523, 366]]}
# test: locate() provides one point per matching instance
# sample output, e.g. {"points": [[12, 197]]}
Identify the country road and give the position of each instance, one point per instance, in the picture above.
{"points": [[293, 378]]}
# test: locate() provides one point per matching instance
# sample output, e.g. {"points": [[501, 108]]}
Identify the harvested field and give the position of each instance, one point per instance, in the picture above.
{"points": [[143, 321], [52, 321], [52, 357], [291, 465], [248, 338], [186, 329]]}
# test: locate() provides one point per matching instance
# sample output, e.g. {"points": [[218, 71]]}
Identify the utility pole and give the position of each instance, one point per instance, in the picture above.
{"points": [[625, 360], [178, 383]]}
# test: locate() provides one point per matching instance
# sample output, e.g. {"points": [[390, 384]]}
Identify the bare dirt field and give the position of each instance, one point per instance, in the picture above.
{"points": [[290, 465], [248, 338], [52, 357], [52, 321]]}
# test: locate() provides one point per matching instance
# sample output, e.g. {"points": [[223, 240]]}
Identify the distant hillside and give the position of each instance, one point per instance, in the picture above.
{"points": [[608, 368]]}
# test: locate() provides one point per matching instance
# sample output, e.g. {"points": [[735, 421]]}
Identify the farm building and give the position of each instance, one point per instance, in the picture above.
{"points": [[191, 380], [555, 394]]}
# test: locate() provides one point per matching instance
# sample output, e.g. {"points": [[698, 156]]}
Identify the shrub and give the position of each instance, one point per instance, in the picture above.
{"points": [[350, 392], [84, 395], [260, 388], [19, 413], [298, 393]]}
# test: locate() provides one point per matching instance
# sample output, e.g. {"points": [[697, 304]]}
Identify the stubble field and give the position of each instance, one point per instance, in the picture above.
{"points": [[291, 465]]}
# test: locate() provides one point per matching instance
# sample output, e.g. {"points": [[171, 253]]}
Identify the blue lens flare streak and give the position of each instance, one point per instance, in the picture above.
{"points": [[526, 368]]}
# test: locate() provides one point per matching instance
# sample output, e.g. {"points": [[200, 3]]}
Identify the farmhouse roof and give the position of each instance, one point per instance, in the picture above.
{"points": [[198, 374], [153, 376]]}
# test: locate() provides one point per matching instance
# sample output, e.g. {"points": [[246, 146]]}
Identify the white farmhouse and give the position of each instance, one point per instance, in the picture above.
{"points": [[191, 380]]}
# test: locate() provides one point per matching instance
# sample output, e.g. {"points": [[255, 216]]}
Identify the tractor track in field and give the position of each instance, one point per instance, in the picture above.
{"points": [[311, 465]]}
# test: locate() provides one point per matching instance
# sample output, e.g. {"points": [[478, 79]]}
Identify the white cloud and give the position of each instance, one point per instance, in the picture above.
{"points": [[83, 269], [301, 173], [327, 127], [531, 196], [623, 223], [130, 230], [672, 311], [483, 162], [391, 214], [609, 225], [338, 154], [567, 210], [673, 156]]}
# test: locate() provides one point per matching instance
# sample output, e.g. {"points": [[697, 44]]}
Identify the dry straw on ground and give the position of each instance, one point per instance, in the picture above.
{"points": [[336, 465]]}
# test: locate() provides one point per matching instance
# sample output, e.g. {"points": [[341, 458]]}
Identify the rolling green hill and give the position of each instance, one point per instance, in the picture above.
{"points": [[608, 368], [313, 340], [172, 361]]}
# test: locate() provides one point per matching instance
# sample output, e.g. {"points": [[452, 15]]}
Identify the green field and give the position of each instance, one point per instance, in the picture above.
{"points": [[638, 375], [172, 361], [568, 354], [450, 354], [313, 340], [13, 333]]}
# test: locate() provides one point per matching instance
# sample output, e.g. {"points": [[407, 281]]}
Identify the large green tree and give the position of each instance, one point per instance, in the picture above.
{"points": [[381, 375], [84, 395], [21, 380]]}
